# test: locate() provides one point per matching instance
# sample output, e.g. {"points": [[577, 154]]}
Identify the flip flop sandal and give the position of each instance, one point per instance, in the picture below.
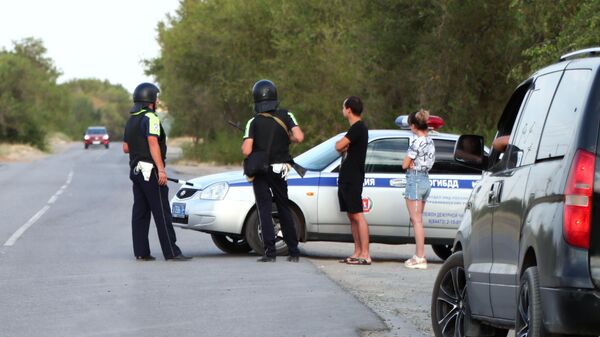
{"points": [[360, 262], [348, 260]]}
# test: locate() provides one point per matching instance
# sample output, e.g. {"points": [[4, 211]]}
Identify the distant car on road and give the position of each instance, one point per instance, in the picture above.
{"points": [[96, 135], [223, 204]]}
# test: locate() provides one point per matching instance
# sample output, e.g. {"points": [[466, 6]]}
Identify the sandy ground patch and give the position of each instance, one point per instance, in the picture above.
{"points": [[19, 152], [10, 153]]}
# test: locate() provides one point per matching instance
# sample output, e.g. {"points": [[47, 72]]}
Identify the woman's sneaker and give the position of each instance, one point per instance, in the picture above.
{"points": [[416, 262]]}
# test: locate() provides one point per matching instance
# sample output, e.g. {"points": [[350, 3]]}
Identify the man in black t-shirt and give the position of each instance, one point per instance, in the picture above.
{"points": [[353, 147], [265, 133]]}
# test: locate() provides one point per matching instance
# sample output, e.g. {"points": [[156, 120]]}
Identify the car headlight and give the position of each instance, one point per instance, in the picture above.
{"points": [[215, 191]]}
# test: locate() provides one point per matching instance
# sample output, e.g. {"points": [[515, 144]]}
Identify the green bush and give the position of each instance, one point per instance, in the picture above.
{"points": [[223, 148]]}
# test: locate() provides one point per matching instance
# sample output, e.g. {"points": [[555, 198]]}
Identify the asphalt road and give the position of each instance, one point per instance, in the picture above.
{"points": [[67, 268]]}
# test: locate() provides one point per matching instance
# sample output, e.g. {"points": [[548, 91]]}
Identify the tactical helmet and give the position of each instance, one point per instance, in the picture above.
{"points": [[144, 94], [265, 96]]}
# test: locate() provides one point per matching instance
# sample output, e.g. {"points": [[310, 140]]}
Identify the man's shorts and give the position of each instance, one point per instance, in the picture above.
{"points": [[418, 185], [350, 197]]}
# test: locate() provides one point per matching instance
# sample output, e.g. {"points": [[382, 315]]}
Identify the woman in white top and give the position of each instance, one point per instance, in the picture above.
{"points": [[417, 163]]}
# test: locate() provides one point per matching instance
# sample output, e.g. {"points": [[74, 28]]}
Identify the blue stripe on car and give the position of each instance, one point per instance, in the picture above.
{"points": [[371, 182]]}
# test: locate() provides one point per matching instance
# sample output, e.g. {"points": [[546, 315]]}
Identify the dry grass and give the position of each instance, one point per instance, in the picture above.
{"points": [[19, 152], [24, 152]]}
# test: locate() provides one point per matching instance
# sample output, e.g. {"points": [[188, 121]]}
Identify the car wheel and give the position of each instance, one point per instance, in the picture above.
{"points": [[529, 306], [442, 251], [106, 146], [254, 234], [450, 312], [231, 245], [85, 146]]}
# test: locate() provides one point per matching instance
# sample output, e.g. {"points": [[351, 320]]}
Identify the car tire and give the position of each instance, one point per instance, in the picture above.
{"points": [[85, 146], [442, 251], [254, 237], [106, 146], [529, 306], [231, 245], [450, 311]]}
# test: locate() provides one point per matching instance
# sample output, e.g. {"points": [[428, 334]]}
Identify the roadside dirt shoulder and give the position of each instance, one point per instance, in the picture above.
{"points": [[400, 296], [10, 153]]}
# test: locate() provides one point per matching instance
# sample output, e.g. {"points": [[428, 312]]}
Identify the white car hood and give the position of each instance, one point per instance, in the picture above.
{"points": [[229, 176]]}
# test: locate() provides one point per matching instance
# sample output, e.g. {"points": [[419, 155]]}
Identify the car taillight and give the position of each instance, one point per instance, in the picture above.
{"points": [[578, 200], [86, 137], [105, 137]]}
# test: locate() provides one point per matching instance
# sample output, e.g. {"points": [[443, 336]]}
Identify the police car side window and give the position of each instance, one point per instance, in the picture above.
{"points": [[444, 160], [526, 137], [386, 155], [564, 113]]}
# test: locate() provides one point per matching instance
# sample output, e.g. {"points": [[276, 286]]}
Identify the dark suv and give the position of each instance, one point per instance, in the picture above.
{"points": [[527, 253]]}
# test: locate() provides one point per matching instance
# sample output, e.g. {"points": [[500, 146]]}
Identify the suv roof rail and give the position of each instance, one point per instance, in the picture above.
{"points": [[595, 51]]}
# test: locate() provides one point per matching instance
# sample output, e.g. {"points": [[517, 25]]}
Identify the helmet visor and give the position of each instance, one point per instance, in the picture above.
{"points": [[265, 106]]}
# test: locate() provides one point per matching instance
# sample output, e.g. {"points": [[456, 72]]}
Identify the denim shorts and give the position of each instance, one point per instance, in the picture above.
{"points": [[417, 185]]}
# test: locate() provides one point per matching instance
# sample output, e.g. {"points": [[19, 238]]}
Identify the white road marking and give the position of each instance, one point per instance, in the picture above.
{"points": [[16, 235]]}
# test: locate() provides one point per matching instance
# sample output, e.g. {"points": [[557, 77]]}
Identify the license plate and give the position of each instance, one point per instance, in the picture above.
{"points": [[96, 142], [178, 210]]}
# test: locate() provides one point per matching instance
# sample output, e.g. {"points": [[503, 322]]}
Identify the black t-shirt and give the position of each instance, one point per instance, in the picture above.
{"points": [[352, 170], [260, 128]]}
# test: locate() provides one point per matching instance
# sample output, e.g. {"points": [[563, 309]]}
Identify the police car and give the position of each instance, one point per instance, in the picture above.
{"points": [[223, 204]]}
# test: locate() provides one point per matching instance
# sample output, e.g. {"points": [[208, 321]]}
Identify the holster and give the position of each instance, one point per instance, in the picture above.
{"points": [[145, 168]]}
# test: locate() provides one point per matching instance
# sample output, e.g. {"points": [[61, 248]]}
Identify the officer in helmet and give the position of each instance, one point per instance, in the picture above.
{"points": [[272, 130], [145, 141]]}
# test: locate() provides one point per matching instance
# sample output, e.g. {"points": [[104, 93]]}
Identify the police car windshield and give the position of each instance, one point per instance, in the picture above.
{"points": [[320, 156]]}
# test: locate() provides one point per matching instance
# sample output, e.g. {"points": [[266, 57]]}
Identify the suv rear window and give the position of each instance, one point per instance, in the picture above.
{"points": [[526, 136], [564, 113]]}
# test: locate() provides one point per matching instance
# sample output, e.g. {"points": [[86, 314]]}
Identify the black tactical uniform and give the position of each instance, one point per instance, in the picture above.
{"points": [[260, 128], [149, 197]]}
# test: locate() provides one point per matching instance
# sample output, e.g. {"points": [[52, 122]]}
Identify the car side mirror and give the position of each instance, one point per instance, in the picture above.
{"points": [[469, 150]]}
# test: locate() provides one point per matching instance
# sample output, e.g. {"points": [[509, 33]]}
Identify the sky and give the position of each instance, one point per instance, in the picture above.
{"points": [[105, 40]]}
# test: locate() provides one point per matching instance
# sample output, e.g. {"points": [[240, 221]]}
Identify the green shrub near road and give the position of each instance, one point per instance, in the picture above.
{"points": [[223, 148], [33, 105]]}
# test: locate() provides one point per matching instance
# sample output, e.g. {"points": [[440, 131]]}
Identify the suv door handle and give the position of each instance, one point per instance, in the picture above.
{"points": [[494, 193], [491, 196]]}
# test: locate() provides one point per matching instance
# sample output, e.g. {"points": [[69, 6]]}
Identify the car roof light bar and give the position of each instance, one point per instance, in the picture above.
{"points": [[434, 122], [595, 51]]}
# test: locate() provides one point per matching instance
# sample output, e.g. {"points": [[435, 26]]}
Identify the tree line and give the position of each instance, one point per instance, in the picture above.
{"points": [[461, 59], [33, 105]]}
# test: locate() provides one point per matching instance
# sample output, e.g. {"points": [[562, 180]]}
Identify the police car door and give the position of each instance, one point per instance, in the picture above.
{"points": [[383, 189], [383, 193]]}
